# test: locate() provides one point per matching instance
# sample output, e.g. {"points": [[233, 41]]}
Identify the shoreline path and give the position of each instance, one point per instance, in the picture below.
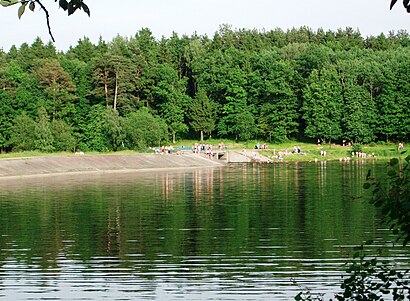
{"points": [[53, 165]]}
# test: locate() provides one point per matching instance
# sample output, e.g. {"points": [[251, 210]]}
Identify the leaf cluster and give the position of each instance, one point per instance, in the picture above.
{"points": [[70, 6], [406, 4], [73, 5], [370, 279], [394, 200]]}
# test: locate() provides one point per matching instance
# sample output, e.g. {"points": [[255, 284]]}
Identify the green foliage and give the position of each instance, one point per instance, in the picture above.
{"points": [[370, 279], [240, 85], [357, 147], [394, 200], [359, 108], [6, 3], [23, 133], [271, 90], [63, 139], [202, 113], [94, 131], [57, 86], [114, 129], [42, 132], [6, 119], [144, 130], [322, 106], [172, 100]]}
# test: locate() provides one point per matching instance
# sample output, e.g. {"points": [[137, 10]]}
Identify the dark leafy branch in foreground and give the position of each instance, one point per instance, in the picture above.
{"points": [[370, 278], [70, 6], [406, 4], [394, 201]]}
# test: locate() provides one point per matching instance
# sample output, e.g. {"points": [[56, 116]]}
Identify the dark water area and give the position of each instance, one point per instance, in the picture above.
{"points": [[242, 232]]}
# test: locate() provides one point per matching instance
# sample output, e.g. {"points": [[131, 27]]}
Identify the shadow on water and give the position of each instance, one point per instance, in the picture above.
{"points": [[241, 232]]}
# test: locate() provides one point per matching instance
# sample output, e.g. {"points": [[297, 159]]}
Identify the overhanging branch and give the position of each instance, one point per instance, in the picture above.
{"points": [[47, 18]]}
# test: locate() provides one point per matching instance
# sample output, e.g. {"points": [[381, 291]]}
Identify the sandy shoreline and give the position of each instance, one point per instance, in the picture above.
{"points": [[60, 165]]}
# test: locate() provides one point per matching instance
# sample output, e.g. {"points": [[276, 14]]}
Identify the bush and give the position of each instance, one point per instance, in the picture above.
{"points": [[143, 129], [357, 147], [43, 134], [62, 134], [22, 133]]}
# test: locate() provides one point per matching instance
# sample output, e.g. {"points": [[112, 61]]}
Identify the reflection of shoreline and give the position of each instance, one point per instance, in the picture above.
{"points": [[84, 178], [200, 183]]}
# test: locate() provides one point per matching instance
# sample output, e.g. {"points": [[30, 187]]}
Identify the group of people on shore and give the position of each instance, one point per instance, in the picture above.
{"points": [[297, 150], [362, 155], [164, 150], [259, 146], [207, 149], [401, 146]]}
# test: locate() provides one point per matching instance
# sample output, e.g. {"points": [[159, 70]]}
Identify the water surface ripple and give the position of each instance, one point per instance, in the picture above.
{"points": [[243, 232]]}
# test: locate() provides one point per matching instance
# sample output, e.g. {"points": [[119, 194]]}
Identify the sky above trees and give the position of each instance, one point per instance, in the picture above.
{"points": [[163, 17]]}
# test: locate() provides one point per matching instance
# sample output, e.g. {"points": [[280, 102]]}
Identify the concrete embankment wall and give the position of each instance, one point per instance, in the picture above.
{"points": [[50, 165]]}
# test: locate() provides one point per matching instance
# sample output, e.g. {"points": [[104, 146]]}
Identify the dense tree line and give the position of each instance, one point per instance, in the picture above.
{"points": [[138, 91]]}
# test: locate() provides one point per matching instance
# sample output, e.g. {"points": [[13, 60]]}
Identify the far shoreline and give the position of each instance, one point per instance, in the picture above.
{"points": [[34, 164]]}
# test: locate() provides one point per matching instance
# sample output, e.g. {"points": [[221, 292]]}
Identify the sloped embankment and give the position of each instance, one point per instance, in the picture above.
{"points": [[74, 164]]}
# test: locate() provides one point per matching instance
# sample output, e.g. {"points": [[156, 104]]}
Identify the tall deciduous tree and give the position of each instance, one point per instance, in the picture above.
{"points": [[358, 89], [58, 86], [394, 101], [271, 91], [202, 113], [322, 105], [172, 100], [236, 112]]}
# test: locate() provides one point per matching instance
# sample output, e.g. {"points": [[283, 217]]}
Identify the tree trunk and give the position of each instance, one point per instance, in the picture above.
{"points": [[202, 136], [54, 104], [116, 91], [174, 137], [106, 94]]}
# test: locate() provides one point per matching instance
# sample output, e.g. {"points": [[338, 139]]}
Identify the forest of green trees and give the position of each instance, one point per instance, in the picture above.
{"points": [[134, 92]]}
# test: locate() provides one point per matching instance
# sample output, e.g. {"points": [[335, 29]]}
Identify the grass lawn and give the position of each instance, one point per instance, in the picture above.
{"points": [[310, 152]]}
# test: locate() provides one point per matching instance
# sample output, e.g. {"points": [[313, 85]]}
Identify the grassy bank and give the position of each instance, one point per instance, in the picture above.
{"points": [[30, 154], [309, 152]]}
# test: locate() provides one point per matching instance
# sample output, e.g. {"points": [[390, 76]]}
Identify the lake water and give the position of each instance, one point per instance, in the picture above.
{"points": [[242, 232]]}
